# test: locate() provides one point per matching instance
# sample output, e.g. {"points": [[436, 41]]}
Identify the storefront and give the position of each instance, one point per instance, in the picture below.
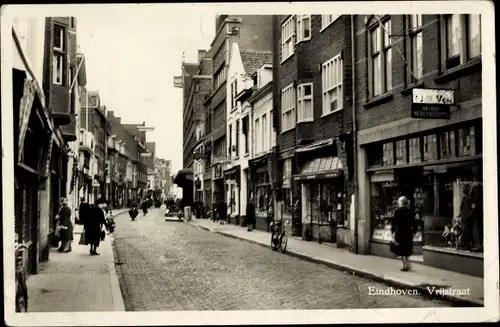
{"points": [[260, 187], [322, 197], [232, 184], [219, 192], [440, 171]]}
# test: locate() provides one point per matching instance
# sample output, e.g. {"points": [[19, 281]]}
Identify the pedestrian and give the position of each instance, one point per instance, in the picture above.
{"points": [[94, 226], [65, 225], [250, 213], [403, 229]]}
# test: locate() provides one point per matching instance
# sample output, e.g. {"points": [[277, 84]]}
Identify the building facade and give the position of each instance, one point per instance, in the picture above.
{"points": [[312, 60], [140, 170], [432, 159], [251, 33], [246, 69]]}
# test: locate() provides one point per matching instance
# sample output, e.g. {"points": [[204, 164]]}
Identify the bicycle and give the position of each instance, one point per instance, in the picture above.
{"points": [[279, 237]]}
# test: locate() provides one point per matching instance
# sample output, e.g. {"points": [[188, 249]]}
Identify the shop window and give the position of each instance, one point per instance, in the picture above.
{"points": [[447, 145], [384, 197], [429, 147], [388, 154], [330, 205], [415, 154], [315, 202], [401, 155], [466, 141]]}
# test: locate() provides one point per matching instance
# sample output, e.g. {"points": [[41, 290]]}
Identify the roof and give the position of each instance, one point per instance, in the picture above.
{"points": [[253, 60]]}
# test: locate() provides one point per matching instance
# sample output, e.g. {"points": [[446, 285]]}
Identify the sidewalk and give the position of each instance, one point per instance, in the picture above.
{"points": [[377, 268], [77, 281]]}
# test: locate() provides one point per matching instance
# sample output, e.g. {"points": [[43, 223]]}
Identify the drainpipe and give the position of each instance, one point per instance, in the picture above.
{"points": [[354, 132]]}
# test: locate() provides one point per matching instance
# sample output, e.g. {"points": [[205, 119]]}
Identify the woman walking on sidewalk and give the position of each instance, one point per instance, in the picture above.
{"points": [[93, 227], [403, 229], [250, 214]]}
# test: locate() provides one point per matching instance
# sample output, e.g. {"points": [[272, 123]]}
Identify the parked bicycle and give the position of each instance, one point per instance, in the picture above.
{"points": [[279, 237], [21, 286]]}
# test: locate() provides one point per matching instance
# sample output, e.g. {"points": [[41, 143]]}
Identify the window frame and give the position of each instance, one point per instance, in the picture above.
{"points": [[291, 108], [264, 132], [289, 41], [381, 54], [326, 89], [59, 52], [300, 28], [230, 134], [464, 50], [324, 24], [301, 98], [237, 138], [415, 33], [62, 38]]}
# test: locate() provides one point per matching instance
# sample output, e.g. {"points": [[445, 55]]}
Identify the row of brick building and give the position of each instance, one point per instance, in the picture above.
{"points": [[66, 142], [364, 109]]}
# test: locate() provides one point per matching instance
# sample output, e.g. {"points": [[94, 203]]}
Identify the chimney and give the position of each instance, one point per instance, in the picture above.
{"points": [[201, 55]]}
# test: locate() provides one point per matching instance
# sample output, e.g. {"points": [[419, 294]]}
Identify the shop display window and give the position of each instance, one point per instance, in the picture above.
{"points": [[384, 197]]}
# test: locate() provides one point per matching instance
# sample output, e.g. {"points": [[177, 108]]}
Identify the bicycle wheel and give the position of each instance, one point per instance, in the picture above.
{"points": [[274, 244], [284, 242]]}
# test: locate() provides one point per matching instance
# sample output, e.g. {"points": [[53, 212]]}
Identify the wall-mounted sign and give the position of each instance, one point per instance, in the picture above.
{"points": [[432, 103], [333, 174], [178, 82]]}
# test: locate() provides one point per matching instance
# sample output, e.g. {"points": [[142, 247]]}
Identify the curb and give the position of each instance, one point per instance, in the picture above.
{"points": [[122, 287], [360, 273], [118, 302]]}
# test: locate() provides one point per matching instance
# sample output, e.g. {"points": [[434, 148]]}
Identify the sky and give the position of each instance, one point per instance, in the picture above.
{"points": [[132, 58]]}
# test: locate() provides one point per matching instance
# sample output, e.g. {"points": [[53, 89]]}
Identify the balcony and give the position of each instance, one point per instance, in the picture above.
{"points": [[69, 131], [87, 142]]}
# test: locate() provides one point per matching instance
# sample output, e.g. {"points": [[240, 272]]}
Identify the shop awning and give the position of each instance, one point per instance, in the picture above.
{"points": [[320, 168], [183, 177], [316, 145]]}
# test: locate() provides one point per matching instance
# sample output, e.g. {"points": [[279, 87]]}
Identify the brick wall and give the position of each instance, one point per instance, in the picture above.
{"points": [[467, 84]]}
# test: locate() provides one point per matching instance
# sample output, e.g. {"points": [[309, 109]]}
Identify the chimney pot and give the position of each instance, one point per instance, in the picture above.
{"points": [[201, 55]]}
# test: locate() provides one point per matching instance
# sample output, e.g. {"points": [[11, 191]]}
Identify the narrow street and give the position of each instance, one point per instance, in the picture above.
{"points": [[169, 265]]}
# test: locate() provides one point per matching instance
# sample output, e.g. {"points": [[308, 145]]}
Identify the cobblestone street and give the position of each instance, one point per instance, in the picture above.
{"points": [[168, 265]]}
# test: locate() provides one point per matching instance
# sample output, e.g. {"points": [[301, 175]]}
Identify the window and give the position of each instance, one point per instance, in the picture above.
{"points": [[326, 20], [230, 150], [287, 108], [388, 154], [415, 150], [58, 59], [303, 28], [462, 39], [466, 141], [220, 76], [305, 102], [237, 138], [447, 145], [332, 78], [245, 128], [257, 136], [264, 133], [59, 38], [234, 93], [401, 152], [430, 147], [287, 42], [381, 58], [416, 53]]}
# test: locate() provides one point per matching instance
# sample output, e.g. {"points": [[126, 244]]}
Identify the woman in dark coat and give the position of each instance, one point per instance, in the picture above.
{"points": [[66, 232], [403, 229], [250, 215], [93, 226]]}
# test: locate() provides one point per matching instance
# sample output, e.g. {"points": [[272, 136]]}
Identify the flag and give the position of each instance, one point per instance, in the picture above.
{"points": [[74, 175]]}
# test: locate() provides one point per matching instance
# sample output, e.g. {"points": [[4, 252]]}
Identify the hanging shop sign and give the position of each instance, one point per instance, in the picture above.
{"points": [[432, 103], [178, 82]]}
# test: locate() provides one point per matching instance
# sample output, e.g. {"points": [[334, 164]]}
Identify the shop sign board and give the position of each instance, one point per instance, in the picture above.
{"points": [[432, 103], [332, 174], [178, 82]]}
